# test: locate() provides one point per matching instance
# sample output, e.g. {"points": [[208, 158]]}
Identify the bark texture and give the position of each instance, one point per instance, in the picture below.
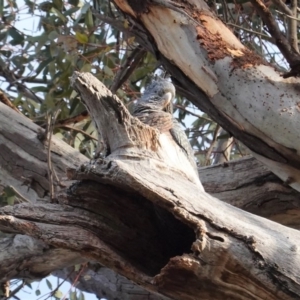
{"points": [[204, 246], [248, 184], [23, 156], [105, 283], [245, 95], [24, 257]]}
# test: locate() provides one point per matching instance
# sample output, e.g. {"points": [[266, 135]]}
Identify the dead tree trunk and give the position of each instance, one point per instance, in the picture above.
{"points": [[244, 183], [214, 251]]}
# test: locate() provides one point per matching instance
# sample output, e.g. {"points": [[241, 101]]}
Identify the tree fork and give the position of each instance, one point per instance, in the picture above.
{"points": [[108, 217]]}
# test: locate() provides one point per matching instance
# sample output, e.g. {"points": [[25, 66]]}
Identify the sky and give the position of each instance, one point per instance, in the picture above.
{"points": [[30, 294]]}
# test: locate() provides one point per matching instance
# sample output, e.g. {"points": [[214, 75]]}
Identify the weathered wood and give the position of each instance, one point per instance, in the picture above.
{"points": [[248, 184], [110, 217], [24, 257], [244, 183], [223, 78], [226, 244], [223, 234], [23, 156], [128, 136], [105, 283]]}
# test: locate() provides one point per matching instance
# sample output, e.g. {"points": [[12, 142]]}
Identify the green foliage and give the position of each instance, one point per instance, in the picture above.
{"points": [[65, 37], [49, 284], [59, 290], [7, 197]]}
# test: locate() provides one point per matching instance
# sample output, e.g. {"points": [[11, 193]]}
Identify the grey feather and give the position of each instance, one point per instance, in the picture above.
{"points": [[182, 141], [155, 108]]}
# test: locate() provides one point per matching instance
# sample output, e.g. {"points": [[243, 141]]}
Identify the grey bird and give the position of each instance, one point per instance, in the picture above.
{"points": [[155, 108]]}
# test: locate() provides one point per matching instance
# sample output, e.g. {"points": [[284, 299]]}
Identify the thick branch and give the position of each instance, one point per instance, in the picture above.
{"points": [[13, 80], [130, 64], [27, 258], [116, 222], [244, 96], [246, 183], [23, 155], [228, 243], [249, 185]]}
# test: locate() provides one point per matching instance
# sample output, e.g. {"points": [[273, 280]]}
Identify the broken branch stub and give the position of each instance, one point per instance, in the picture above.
{"points": [[125, 136], [104, 108]]}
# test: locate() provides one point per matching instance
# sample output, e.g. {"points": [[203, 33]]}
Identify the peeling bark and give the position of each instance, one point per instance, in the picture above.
{"points": [[218, 74]]}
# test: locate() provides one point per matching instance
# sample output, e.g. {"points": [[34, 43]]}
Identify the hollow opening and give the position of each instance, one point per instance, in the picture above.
{"points": [[144, 234], [156, 244]]}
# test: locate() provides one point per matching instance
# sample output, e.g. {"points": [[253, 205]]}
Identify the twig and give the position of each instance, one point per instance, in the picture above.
{"points": [[290, 54], [224, 145], [266, 37], [5, 288], [58, 286], [77, 130], [213, 142], [176, 7], [76, 279], [50, 127], [292, 28], [239, 149], [289, 17], [129, 66], [6, 101], [16, 290], [225, 11], [72, 120], [192, 113], [135, 29], [283, 7], [13, 81], [19, 195]]}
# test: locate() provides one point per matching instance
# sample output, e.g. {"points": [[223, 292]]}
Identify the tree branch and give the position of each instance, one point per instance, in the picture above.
{"points": [[13, 81], [105, 283], [6, 101], [208, 241], [229, 104], [128, 67], [290, 53], [293, 26]]}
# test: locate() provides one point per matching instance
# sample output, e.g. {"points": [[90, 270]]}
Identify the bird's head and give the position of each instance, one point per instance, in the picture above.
{"points": [[159, 94]]}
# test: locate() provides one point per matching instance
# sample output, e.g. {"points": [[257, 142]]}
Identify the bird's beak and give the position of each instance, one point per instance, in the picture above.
{"points": [[167, 100]]}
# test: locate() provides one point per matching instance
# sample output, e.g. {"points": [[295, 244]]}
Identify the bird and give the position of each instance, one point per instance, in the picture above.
{"points": [[155, 108]]}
